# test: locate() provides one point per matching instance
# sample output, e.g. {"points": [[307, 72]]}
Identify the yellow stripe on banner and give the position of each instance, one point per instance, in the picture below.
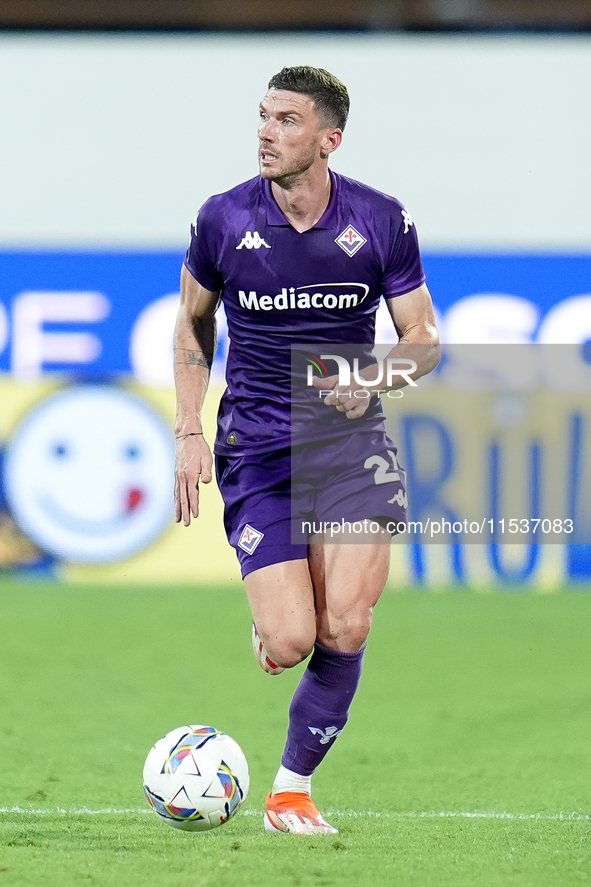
{"points": [[476, 456]]}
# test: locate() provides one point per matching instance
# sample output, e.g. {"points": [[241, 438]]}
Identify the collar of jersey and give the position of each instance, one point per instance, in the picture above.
{"points": [[276, 218]]}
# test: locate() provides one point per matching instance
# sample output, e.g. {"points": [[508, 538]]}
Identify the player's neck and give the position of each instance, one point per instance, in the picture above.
{"points": [[304, 201]]}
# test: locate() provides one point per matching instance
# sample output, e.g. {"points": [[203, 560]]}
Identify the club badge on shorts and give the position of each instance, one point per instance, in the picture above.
{"points": [[249, 539]]}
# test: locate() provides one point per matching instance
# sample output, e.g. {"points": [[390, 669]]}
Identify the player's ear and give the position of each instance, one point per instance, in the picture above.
{"points": [[330, 141]]}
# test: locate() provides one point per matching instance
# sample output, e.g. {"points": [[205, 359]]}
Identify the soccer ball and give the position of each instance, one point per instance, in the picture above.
{"points": [[196, 778]]}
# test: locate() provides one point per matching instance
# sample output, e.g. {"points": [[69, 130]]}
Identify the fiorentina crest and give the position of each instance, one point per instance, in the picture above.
{"points": [[249, 539], [350, 240]]}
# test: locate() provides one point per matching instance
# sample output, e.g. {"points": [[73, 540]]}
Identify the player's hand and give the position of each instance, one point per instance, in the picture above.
{"points": [[193, 464], [352, 399]]}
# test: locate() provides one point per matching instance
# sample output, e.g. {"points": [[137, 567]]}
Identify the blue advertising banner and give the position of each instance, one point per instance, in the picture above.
{"points": [[107, 317], [102, 313], [543, 279], [77, 311]]}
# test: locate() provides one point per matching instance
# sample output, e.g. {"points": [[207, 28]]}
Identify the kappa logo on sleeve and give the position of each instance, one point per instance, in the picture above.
{"points": [[253, 240], [350, 240], [408, 222], [249, 539]]}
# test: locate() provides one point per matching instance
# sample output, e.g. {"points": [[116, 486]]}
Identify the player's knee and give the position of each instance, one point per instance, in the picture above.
{"points": [[289, 649]]}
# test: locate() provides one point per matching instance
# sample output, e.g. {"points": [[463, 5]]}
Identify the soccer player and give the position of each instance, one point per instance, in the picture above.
{"points": [[301, 254]]}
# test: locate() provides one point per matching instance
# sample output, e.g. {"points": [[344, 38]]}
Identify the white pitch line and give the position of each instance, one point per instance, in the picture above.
{"points": [[76, 811], [465, 814], [350, 814]]}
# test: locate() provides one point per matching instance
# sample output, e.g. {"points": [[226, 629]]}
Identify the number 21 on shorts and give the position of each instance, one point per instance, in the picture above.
{"points": [[387, 474]]}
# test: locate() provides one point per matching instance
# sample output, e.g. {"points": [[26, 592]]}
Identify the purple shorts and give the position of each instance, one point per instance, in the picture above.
{"points": [[274, 501]]}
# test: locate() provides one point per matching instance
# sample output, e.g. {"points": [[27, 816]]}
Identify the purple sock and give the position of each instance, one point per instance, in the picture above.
{"points": [[320, 707]]}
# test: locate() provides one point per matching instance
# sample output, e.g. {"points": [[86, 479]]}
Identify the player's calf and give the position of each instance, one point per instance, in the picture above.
{"points": [[346, 636]]}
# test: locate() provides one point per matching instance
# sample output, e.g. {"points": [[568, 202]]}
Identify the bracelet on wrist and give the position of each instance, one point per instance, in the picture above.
{"points": [[190, 434]]}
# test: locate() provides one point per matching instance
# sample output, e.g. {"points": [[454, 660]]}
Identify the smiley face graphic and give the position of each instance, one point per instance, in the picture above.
{"points": [[88, 474]]}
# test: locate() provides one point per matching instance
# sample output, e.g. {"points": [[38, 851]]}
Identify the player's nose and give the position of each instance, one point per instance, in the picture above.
{"points": [[266, 131]]}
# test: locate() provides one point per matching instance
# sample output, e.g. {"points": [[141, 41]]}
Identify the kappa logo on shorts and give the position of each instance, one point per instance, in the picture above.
{"points": [[249, 539], [350, 240]]}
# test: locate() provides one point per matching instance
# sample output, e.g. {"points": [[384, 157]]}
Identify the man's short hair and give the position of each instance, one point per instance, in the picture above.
{"points": [[330, 96]]}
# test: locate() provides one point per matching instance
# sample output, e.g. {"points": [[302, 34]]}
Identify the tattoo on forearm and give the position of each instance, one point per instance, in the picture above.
{"points": [[194, 358]]}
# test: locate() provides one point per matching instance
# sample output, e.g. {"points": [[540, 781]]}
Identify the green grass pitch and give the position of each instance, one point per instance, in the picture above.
{"points": [[466, 761]]}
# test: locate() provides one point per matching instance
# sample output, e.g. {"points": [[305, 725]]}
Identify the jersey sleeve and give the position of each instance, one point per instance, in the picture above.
{"points": [[201, 256], [404, 268]]}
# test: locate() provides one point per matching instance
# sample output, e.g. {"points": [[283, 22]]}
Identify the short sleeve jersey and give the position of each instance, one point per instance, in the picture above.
{"points": [[280, 287]]}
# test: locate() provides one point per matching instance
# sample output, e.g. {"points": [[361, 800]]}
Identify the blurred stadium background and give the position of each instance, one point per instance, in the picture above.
{"points": [[120, 119]]}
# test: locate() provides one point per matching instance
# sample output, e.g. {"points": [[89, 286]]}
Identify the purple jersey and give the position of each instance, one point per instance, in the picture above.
{"points": [[281, 287]]}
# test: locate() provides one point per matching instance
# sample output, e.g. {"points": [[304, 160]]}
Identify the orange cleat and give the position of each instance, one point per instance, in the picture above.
{"points": [[294, 812], [261, 654]]}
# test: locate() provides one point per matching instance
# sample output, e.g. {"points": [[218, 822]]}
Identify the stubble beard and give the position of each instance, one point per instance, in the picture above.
{"points": [[289, 176]]}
